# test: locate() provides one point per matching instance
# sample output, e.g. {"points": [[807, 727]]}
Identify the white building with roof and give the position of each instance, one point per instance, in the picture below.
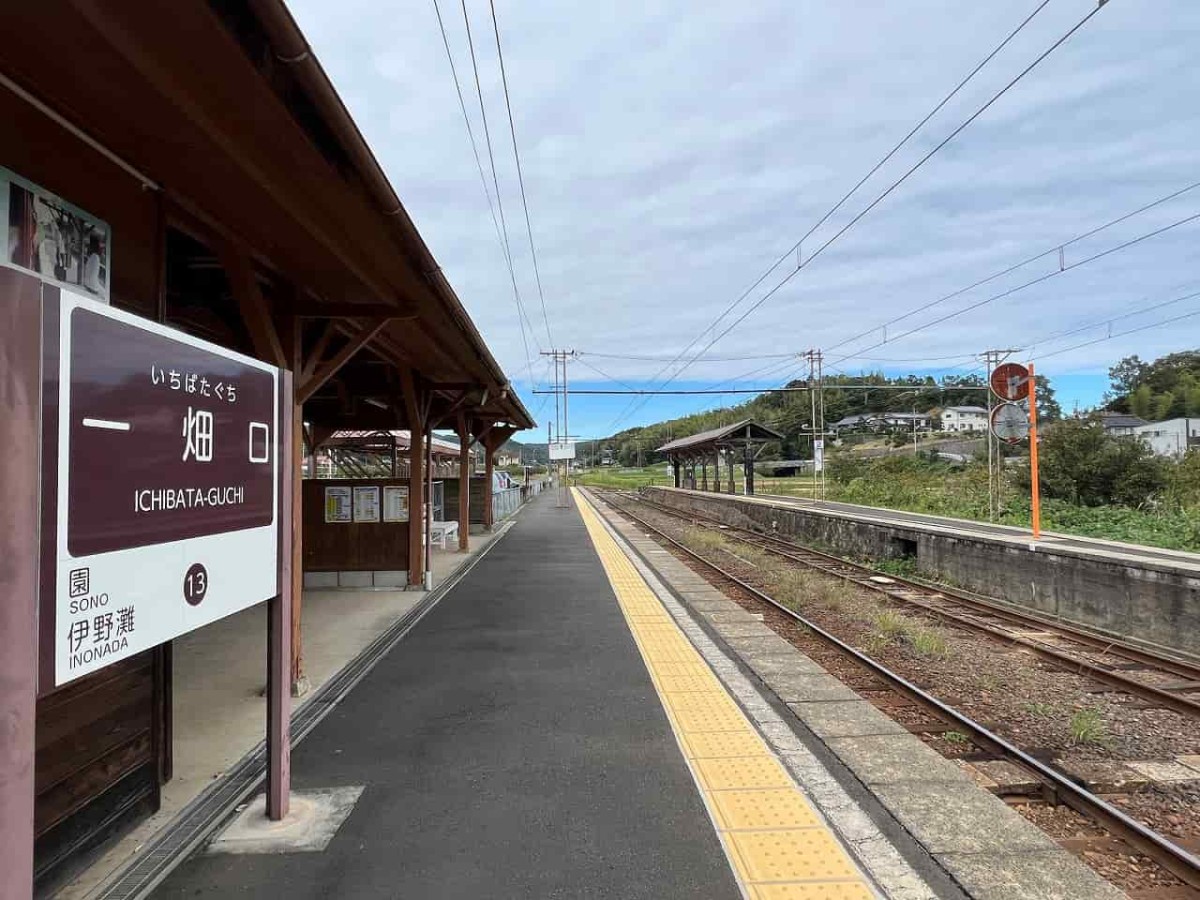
{"points": [[964, 418], [1174, 437]]}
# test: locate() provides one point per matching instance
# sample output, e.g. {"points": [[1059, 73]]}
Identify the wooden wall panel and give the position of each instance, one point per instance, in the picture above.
{"points": [[351, 546], [41, 151], [91, 733]]}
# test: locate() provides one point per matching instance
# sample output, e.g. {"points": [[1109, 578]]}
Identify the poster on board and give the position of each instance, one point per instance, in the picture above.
{"points": [[337, 504], [366, 504], [54, 239], [395, 503]]}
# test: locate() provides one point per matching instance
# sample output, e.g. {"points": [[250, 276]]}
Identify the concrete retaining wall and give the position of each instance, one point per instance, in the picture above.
{"points": [[1143, 600]]}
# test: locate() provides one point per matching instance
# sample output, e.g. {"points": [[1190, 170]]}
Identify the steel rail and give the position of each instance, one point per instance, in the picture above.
{"points": [[1175, 859], [864, 576]]}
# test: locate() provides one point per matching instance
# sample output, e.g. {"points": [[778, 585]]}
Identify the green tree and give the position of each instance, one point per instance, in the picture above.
{"points": [[1163, 405], [1048, 409], [1125, 376], [1082, 464], [1141, 402]]}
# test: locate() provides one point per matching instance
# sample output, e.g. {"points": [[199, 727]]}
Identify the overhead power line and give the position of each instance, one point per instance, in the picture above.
{"points": [[1056, 248], [1140, 311], [912, 170], [522, 316], [512, 129], [1028, 284], [803, 263], [1109, 337]]}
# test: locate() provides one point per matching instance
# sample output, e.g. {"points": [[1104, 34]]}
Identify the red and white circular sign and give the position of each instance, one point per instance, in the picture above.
{"points": [[1010, 381]]}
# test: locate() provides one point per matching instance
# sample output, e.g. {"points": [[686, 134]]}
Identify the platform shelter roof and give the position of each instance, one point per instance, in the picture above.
{"points": [[739, 434]]}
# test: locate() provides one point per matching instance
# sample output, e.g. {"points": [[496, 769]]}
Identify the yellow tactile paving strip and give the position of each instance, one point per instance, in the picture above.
{"points": [[777, 845]]}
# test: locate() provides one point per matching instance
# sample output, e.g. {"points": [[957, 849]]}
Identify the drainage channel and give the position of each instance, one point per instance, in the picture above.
{"points": [[197, 821]]}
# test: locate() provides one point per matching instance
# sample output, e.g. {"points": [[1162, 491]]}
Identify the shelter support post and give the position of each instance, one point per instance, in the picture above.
{"points": [[716, 471], [729, 460], [427, 438], [20, 412], [703, 474], [492, 441], [749, 469], [416, 409], [279, 629], [675, 470], [489, 469], [464, 484]]}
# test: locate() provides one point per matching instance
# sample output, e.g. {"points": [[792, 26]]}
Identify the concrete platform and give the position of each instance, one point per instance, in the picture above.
{"points": [[219, 710], [924, 804], [512, 745]]}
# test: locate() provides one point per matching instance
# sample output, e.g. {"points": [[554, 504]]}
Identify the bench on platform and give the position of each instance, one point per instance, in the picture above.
{"points": [[442, 531]]}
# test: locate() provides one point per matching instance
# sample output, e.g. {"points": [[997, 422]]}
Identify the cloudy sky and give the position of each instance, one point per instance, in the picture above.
{"points": [[673, 151]]}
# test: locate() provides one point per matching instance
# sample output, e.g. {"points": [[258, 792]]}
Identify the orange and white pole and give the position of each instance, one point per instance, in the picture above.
{"points": [[1034, 487]]}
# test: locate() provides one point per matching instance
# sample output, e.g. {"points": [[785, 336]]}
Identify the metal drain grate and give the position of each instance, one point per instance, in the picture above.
{"points": [[201, 817]]}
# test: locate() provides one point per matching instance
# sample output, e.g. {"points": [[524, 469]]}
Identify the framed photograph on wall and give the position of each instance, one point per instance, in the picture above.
{"points": [[53, 238]]}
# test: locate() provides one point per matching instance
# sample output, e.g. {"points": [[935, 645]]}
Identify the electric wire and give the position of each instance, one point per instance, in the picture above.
{"points": [[522, 316], [1109, 337], [921, 162], [1039, 280], [1025, 262], [879, 199], [512, 128]]}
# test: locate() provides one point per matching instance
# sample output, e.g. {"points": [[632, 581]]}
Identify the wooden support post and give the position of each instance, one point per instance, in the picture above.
{"points": [[489, 468], [749, 469], [464, 484], [717, 471], [414, 409], [20, 417], [703, 474], [729, 460], [280, 675], [427, 438], [675, 471]]}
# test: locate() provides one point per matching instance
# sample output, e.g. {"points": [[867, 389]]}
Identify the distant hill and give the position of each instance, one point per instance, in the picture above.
{"points": [[529, 453], [791, 413]]}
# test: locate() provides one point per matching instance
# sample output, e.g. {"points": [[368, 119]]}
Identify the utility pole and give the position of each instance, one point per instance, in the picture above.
{"points": [[561, 417], [993, 358], [816, 393]]}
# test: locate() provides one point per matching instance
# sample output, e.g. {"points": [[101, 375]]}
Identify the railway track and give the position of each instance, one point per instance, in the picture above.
{"points": [[1055, 786], [1116, 664]]}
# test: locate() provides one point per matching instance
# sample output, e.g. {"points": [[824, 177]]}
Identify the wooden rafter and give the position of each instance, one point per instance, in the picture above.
{"points": [[330, 367]]}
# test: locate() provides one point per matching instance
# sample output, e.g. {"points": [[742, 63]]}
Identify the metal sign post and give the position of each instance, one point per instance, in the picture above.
{"points": [[1034, 487]]}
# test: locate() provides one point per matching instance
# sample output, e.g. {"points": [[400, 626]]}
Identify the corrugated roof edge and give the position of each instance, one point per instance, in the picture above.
{"points": [[290, 45], [716, 434]]}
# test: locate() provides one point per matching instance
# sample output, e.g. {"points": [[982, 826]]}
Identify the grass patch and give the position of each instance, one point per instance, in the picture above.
{"points": [[891, 624], [900, 566], [929, 642], [956, 737], [701, 539], [1087, 726], [1041, 710]]}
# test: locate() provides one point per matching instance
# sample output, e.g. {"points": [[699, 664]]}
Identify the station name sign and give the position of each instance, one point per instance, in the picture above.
{"points": [[166, 488]]}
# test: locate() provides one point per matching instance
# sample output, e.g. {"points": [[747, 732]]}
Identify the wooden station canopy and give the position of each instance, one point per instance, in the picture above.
{"points": [[746, 433], [685, 453], [242, 206], [217, 113]]}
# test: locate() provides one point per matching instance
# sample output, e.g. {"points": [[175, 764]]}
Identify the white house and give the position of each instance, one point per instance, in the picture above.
{"points": [[964, 418], [1174, 437]]}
